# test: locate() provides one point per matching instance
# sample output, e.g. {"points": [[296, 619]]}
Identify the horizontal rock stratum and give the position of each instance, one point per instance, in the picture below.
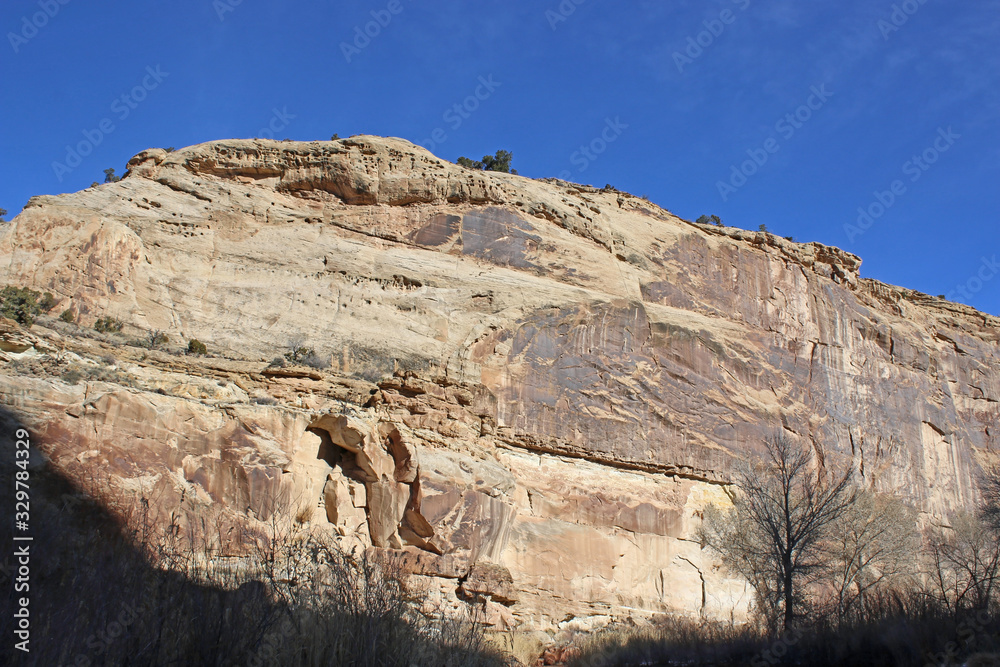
{"points": [[535, 386]]}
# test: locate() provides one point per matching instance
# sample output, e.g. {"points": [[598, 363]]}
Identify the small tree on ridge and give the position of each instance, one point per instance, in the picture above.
{"points": [[498, 162]]}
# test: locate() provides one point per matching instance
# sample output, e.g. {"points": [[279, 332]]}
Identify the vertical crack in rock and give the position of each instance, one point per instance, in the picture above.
{"points": [[701, 575]]}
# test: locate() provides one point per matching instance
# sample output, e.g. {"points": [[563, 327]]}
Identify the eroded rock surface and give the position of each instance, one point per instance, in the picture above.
{"points": [[535, 387]]}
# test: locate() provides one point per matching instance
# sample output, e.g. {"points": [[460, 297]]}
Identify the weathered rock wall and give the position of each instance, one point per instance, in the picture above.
{"points": [[529, 375]]}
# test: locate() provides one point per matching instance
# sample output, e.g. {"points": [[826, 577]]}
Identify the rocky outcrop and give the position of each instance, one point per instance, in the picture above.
{"points": [[535, 386]]}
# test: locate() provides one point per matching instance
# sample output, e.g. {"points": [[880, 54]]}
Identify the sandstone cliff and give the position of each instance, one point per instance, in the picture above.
{"points": [[535, 385]]}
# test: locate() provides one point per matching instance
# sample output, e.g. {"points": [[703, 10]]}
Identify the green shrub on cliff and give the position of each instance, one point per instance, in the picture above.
{"points": [[47, 303], [498, 162], [20, 304], [108, 325], [298, 353]]}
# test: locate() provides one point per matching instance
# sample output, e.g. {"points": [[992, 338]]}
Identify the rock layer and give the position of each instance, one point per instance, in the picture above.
{"points": [[535, 386]]}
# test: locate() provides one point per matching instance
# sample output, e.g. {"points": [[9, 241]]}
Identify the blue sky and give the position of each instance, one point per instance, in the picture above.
{"points": [[692, 99]]}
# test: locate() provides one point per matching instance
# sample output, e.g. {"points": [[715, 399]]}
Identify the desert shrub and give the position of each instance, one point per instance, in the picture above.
{"points": [[278, 362], [298, 352], [75, 373], [264, 400], [156, 339], [709, 220], [195, 346], [316, 361], [72, 376], [67, 316], [47, 303], [305, 514], [20, 304], [374, 364], [109, 175], [108, 324]]}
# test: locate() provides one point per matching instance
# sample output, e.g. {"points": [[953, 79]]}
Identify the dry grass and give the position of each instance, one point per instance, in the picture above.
{"points": [[304, 515], [920, 634]]}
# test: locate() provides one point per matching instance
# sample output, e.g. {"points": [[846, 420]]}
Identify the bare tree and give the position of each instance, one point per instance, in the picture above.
{"points": [[964, 556], [155, 339], [965, 563], [782, 512], [873, 545], [745, 551]]}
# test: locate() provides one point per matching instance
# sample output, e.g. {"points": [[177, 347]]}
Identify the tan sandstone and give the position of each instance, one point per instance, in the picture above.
{"points": [[535, 386]]}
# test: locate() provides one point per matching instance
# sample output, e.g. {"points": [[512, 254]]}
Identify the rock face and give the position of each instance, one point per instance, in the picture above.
{"points": [[535, 386]]}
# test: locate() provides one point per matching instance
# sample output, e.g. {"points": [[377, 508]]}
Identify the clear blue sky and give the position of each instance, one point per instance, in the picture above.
{"points": [[892, 90]]}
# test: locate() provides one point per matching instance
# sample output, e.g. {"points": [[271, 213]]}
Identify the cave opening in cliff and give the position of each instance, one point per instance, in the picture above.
{"points": [[338, 458], [344, 495]]}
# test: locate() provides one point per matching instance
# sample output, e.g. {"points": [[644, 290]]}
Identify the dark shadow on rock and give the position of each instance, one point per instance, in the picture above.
{"points": [[95, 597]]}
